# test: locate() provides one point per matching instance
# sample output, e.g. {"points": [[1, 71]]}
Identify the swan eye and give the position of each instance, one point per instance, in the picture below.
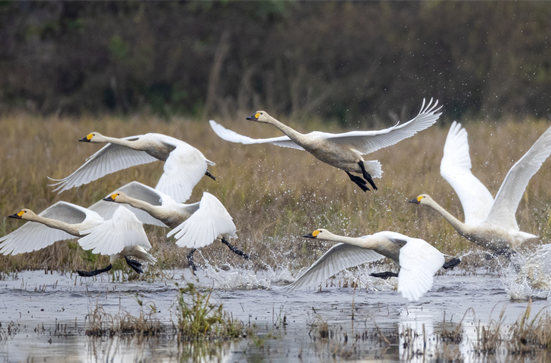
{"points": [[114, 196], [20, 214], [315, 233], [419, 198]]}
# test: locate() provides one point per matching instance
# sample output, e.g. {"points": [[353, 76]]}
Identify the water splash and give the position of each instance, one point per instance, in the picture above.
{"points": [[527, 276]]}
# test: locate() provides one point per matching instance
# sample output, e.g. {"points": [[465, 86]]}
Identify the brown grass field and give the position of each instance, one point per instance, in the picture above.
{"points": [[275, 195]]}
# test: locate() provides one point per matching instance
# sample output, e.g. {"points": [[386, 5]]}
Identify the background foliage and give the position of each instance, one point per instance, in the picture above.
{"points": [[335, 60]]}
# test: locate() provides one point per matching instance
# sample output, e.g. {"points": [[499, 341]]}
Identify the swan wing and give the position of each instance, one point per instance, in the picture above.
{"points": [[138, 191], [366, 142], [339, 257], [456, 169], [114, 235], [183, 169], [34, 236], [233, 136], [107, 160], [511, 191], [419, 261], [205, 225]]}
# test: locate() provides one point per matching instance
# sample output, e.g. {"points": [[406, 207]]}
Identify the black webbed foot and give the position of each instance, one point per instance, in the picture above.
{"points": [[367, 176], [384, 275], [210, 175], [95, 272], [359, 181], [451, 263], [190, 262], [136, 266], [235, 249]]}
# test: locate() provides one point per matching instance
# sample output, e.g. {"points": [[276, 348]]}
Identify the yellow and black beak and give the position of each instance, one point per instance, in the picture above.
{"points": [[310, 235], [87, 138], [16, 215], [253, 117], [110, 198], [416, 200]]}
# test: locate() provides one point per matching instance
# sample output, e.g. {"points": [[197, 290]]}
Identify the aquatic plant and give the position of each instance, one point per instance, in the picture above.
{"points": [[102, 323]]}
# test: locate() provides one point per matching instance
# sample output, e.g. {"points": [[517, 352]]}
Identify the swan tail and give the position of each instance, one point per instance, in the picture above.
{"points": [[373, 167]]}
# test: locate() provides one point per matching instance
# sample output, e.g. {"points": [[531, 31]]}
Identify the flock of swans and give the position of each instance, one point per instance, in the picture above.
{"points": [[114, 225]]}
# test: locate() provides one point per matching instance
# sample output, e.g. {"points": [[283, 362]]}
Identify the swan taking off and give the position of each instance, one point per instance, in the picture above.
{"points": [[418, 261], [154, 207], [489, 223], [184, 164], [122, 235], [343, 151]]}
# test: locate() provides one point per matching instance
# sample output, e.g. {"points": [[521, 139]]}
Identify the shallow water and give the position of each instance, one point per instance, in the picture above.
{"points": [[49, 316]]}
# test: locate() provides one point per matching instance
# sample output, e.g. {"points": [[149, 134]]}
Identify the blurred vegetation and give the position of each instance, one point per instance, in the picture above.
{"points": [[332, 60]]}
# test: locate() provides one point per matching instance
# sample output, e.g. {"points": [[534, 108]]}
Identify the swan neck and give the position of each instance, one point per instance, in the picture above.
{"points": [[456, 223], [292, 133], [146, 207], [122, 142], [53, 223], [359, 242]]}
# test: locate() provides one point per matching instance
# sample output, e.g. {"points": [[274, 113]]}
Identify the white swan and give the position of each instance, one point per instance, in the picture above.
{"points": [[418, 261], [154, 207], [343, 151], [122, 235], [184, 164], [489, 223]]}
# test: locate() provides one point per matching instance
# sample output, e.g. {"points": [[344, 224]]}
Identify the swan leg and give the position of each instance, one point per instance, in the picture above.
{"points": [[190, 262], [451, 263], [366, 175], [359, 181], [95, 272], [384, 275], [136, 266], [210, 175], [235, 249]]}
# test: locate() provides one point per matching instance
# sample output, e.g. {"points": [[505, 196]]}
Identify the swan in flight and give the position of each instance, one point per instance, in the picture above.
{"points": [[343, 151], [157, 208], [488, 223], [184, 164], [122, 235], [417, 260]]}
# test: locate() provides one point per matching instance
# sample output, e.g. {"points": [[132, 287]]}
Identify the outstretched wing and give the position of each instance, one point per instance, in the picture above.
{"points": [[114, 235], [204, 226], [138, 191], [456, 169], [419, 261], [34, 236], [233, 136], [339, 257], [184, 168], [509, 195], [107, 160], [366, 142]]}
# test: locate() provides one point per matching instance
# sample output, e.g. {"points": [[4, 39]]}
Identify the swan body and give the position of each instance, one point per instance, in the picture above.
{"points": [[418, 261], [63, 221], [184, 164], [488, 223], [345, 150]]}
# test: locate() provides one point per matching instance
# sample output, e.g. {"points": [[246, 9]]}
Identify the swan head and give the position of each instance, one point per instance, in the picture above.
{"points": [[259, 116], [24, 214], [421, 199], [318, 233], [117, 197], [92, 137]]}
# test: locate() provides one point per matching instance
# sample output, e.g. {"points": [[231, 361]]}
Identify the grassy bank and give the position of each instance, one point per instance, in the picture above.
{"points": [[274, 194]]}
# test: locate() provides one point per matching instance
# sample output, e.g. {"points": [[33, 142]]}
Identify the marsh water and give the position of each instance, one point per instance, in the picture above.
{"points": [[44, 316]]}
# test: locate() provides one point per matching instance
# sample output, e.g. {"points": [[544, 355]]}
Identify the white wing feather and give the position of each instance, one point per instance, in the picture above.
{"points": [[107, 160], [135, 190], [509, 195], [419, 261], [114, 235], [34, 236], [233, 136], [366, 142], [204, 226], [339, 257], [456, 169], [184, 168]]}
